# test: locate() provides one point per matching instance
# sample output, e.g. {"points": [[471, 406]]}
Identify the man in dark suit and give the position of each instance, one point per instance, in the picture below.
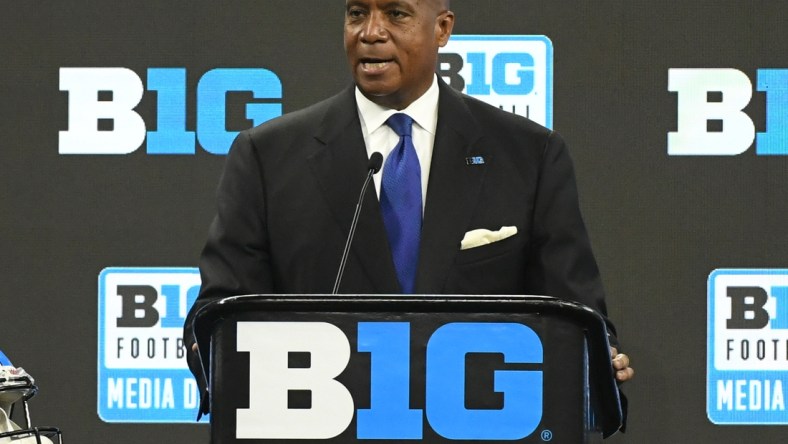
{"points": [[289, 189]]}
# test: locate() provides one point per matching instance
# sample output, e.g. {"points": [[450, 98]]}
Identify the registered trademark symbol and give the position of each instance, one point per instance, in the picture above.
{"points": [[547, 435]]}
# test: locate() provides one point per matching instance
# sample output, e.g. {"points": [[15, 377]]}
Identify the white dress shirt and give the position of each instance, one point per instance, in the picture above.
{"points": [[381, 138]]}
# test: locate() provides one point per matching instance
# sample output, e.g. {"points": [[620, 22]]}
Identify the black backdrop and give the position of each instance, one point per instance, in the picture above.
{"points": [[660, 224]]}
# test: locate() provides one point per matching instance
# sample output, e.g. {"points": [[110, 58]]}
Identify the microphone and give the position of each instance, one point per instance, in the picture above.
{"points": [[375, 162]]}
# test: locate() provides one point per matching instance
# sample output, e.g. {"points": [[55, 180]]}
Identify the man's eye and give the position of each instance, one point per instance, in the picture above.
{"points": [[397, 14], [354, 13]]}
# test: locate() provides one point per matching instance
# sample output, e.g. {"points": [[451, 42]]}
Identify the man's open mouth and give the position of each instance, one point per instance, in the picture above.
{"points": [[369, 64]]}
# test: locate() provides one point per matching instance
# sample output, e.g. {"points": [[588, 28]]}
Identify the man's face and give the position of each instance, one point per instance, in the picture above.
{"points": [[392, 46]]}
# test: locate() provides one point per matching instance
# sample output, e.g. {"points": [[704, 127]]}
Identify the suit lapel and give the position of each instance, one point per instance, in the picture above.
{"points": [[452, 193], [340, 167]]}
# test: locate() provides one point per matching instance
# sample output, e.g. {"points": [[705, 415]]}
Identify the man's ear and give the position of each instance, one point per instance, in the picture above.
{"points": [[443, 27]]}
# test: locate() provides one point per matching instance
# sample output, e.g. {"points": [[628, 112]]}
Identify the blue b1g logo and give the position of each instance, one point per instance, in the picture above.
{"points": [[110, 96], [747, 346], [514, 73], [711, 120], [142, 370], [389, 415]]}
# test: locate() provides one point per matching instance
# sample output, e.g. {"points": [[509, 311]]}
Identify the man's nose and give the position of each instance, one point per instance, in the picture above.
{"points": [[374, 29]]}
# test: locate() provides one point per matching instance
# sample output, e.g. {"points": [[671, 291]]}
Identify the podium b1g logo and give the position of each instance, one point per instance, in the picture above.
{"points": [[747, 346], [273, 382]]}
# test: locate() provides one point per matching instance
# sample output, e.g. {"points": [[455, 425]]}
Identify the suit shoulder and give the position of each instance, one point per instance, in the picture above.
{"points": [[297, 134], [511, 131], [300, 122], [497, 119]]}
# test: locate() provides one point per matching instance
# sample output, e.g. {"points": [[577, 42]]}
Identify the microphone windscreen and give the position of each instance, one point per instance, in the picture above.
{"points": [[375, 162]]}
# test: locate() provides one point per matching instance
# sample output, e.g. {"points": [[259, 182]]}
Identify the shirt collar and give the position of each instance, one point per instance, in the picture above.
{"points": [[423, 111]]}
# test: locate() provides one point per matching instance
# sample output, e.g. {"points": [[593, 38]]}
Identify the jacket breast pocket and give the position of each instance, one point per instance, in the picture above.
{"points": [[490, 269], [489, 251]]}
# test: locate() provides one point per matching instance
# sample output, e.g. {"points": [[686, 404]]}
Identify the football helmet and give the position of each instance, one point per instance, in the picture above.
{"points": [[16, 388]]}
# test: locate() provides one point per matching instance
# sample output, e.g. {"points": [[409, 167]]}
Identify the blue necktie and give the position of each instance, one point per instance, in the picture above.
{"points": [[400, 202]]}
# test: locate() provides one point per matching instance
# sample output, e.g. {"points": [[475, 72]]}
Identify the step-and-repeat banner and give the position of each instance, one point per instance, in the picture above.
{"points": [[116, 118]]}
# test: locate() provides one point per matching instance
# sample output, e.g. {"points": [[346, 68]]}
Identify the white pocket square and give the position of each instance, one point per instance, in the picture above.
{"points": [[477, 238]]}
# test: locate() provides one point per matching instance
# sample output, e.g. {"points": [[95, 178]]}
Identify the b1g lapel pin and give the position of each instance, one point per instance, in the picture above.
{"points": [[476, 160]]}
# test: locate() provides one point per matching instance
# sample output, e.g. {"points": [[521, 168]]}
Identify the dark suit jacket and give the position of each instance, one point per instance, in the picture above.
{"points": [[289, 190]]}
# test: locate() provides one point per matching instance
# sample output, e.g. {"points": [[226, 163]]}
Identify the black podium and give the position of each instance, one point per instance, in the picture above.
{"points": [[341, 369]]}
